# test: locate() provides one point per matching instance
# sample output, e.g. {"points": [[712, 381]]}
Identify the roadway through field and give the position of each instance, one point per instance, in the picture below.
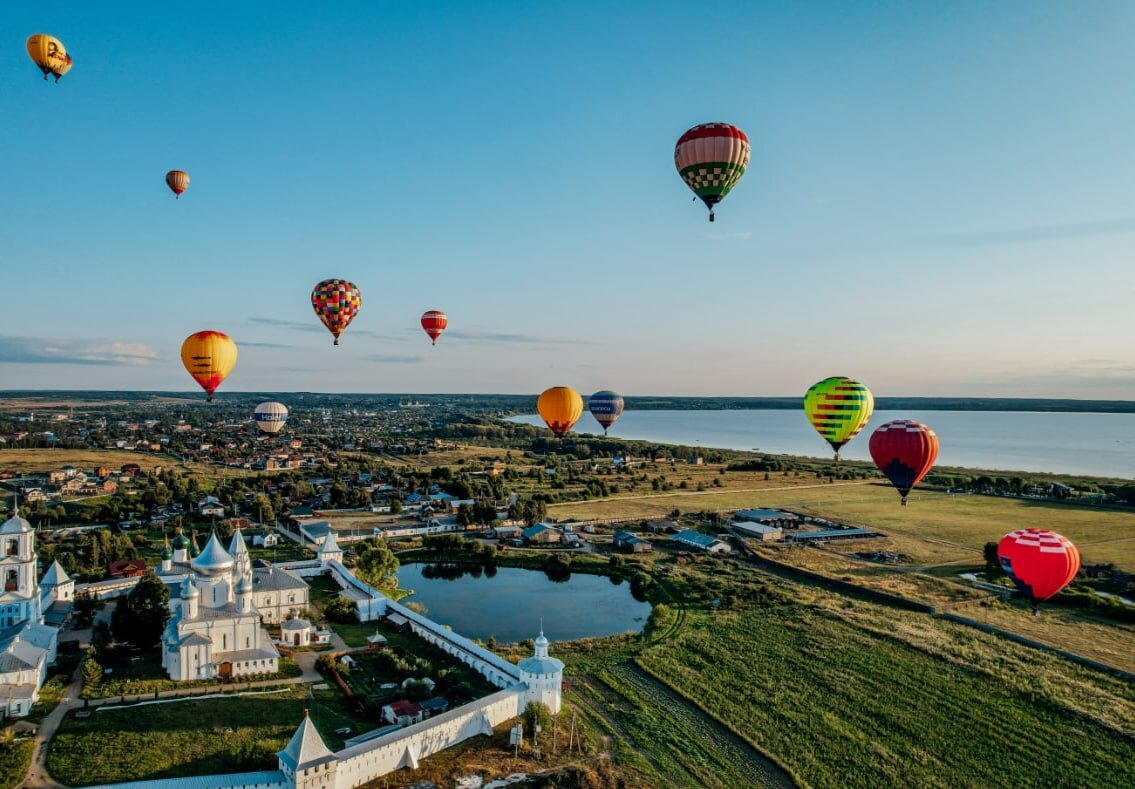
{"points": [[735, 750], [679, 742]]}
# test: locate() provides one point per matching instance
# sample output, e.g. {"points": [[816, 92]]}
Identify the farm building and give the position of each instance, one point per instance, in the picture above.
{"points": [[542, 533], [760, 531], [828, 535], [700, 542], [769, 517], [626, 541]]}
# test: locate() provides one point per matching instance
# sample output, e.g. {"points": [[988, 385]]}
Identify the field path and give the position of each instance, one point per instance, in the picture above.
{"points": [[738, 752]]}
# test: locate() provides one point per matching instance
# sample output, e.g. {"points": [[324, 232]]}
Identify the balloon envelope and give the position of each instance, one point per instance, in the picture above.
{"points": [[336, 302], [904, 450], [1040, 562], [49, 54], [605, 406], [711, 158], [434, 322], [270, 417], [560, 407], [838, 409], [178, 181], [208, 356]]}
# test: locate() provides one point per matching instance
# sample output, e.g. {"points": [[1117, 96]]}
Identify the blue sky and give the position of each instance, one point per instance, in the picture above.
{"points": [[941, 199]]}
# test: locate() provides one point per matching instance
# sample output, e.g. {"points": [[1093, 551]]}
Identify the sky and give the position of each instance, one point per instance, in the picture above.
{"points": [[940, 201]]}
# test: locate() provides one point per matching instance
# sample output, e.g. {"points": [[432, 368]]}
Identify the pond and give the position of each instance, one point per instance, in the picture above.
{"points": [[508, 603]]}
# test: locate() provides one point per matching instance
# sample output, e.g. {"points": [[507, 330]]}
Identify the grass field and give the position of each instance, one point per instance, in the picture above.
{"points": [[42, 460], [181, 738], [934, 528], [857, 695]]}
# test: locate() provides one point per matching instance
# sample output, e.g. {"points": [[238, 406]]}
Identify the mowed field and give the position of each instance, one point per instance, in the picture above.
{"points": [[30, 461], [935, 528]]}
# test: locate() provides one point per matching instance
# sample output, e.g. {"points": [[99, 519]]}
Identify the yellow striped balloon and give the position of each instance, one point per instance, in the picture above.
{"points": [[50, 55], [838, 407]]}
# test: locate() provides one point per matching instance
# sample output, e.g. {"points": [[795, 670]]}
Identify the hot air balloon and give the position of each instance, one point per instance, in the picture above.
{"points": [[336, 302], [838, 408], [904, 450], [209, 356], [711, 158], [560, 407], [49, 54], [270, 417], [605, 406], [177, 181], [1040, 562], [434, 322]]}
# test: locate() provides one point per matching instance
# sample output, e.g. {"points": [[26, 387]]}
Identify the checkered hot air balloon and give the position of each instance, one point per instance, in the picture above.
{"points": [[711, 158], [606, 407], [838, 408], [336, 302], [904, 450], [1040, 562], [434, 323]]}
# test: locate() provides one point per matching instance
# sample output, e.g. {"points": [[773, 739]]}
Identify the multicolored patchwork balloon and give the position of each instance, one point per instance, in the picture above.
{"points": [[606, 406], [838, 407], [1040, 562], [336, 302], [904, 450], [711, 158]]}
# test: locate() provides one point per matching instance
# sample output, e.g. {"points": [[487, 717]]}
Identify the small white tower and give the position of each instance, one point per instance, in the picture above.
{"points": [[307, 762], [190, 597], [244, 594], [239, 551], [544, 677], [329, 551], [19, 589]]}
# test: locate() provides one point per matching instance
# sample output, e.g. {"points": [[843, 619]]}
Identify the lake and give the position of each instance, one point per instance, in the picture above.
{"points": [[510, 605], [1065, 443]]}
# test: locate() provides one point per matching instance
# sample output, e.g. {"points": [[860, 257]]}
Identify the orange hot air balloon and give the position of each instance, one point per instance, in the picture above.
{"points": [[209, 356], [560, 407], [434, 322], [336, 302], [177, 181]]}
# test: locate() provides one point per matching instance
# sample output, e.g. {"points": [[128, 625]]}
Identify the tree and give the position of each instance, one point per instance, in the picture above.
{"points": [[92, 671], [149, 609], [536, 713], [342, 609], [376, 564]]}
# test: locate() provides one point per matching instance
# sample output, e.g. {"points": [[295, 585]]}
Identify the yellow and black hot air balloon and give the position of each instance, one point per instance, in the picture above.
{"points": [[209, 356], [50, 55], [560, 407], [838, 407]]}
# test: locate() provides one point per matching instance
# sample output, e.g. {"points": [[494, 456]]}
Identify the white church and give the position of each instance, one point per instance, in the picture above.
{"points": [[27, 645], [214, 629]]}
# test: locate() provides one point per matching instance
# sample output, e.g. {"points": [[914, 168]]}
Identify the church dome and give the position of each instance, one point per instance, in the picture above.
{"points": [[166, 553], [213, 560], [540, 665], [180, 542], [15, 525], [245, 584]]}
